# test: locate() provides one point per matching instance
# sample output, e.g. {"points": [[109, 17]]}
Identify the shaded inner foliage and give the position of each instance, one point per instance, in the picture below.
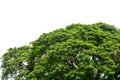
{"points": [[78, 52]]}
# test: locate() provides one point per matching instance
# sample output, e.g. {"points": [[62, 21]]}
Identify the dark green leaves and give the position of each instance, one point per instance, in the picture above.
{"points": [[78, 52]]}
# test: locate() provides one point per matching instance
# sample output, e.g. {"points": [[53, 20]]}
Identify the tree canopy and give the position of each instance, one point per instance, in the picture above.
{"points": [[77, 52]]}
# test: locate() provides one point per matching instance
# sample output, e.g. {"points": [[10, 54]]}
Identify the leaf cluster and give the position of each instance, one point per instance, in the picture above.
{"points": [[77, 52]]}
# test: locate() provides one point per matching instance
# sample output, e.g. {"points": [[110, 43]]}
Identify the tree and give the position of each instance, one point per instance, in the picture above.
{"points": [[78, 52], [15, 62]]}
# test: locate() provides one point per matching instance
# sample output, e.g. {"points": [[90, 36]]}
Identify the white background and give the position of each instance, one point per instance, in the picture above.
{"points": [[22, 21]]}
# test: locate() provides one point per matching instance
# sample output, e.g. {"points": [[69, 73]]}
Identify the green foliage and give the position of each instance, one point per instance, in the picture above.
{"points": [[14, 63], [78, 52]]}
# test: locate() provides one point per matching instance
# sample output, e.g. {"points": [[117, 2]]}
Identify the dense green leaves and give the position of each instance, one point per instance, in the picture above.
{"points": [[15, 62], [78, 52]]}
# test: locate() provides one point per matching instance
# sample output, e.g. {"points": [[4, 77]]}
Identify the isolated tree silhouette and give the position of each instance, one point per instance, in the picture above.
{"points": [[78, 52]]}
